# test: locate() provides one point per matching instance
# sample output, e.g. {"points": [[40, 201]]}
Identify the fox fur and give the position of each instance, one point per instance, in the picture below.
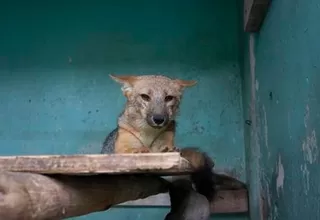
{"points": [[147, 124]]}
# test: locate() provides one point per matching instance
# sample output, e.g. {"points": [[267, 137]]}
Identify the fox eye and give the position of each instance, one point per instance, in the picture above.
{"points": [[145, 97], [168, 98]]}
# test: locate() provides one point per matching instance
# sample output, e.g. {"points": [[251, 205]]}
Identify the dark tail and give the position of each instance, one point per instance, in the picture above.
{"points": [[203, 178], [206, 181], [185, 202]]}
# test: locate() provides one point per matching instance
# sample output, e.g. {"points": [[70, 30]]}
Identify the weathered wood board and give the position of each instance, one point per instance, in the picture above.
{"points": [[90, 164]]}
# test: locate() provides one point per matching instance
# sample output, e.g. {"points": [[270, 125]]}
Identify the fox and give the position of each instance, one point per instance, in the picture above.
{"points": [[147, 123]]}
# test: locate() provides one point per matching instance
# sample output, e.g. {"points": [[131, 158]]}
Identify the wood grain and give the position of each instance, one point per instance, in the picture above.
{"points": [[90, 164]]}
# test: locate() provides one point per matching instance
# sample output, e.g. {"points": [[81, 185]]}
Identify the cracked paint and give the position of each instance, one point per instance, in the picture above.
{"points": [[275, 212], [257, 85], [309, 144], [266, 140], [280, 177], [254, 161], [310, 147], [289, 126], [306, 116], [305, 176]]}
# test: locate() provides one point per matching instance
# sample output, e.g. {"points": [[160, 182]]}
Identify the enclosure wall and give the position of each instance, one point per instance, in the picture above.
{"points": [[57, 98], [281, 94]]}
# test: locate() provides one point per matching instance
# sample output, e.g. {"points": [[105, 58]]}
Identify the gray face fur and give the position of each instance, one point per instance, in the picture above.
{"points": [[152, 99]]}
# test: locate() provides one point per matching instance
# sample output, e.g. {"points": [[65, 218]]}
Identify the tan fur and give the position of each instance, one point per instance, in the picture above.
{"points": [[148, 95]]}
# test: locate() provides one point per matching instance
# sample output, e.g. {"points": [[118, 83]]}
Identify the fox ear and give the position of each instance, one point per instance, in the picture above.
{"points": [[185, 83], [126, 82], [123, 79]]}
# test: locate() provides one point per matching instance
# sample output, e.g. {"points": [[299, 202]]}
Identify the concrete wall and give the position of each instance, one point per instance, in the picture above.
{"points": [[282, 82], [57, 98]]}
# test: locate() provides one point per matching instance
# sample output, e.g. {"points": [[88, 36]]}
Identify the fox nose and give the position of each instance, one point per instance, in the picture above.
{"points": [[158, 119]]}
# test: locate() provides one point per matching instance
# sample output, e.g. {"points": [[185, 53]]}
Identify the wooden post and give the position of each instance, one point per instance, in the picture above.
{"points": [[254, 13]]}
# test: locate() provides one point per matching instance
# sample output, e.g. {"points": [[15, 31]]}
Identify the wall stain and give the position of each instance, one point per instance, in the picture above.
{"points": [[270, 96]]}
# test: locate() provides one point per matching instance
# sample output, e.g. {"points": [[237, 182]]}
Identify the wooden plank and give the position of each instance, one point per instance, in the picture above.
{"points": [[226, 201], [155, 163], [254, 14]]}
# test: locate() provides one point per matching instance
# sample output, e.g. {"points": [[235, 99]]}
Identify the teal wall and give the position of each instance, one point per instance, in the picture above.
{"points": [[57, 98], [284, 82]]}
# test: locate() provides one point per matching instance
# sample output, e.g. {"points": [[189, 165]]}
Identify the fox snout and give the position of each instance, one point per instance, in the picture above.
{"points": [[157, 120]]}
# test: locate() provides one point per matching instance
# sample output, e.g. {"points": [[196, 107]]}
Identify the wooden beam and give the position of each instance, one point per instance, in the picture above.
{"points": [[30, 196], [160, 164], [254, 13], [90, 164], [226, 201]]}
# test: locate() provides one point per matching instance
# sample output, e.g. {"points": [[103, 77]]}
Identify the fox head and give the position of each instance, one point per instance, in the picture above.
{"points": [[155, 99]]}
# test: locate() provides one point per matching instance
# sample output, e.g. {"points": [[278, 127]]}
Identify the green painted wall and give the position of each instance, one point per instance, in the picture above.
{"points": [[282, 80], [57, 98]]}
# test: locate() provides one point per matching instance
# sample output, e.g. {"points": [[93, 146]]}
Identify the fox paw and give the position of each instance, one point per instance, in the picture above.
{"points": [[174, 149], [166, 149], [141, 150]]}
